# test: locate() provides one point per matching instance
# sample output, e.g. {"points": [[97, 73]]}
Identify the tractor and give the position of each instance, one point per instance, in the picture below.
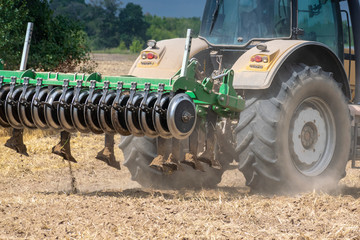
{"points": [[268, 87]]}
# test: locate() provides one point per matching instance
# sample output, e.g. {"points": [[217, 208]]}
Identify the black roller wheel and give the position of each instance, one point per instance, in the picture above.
{"points": [[295, 136]]}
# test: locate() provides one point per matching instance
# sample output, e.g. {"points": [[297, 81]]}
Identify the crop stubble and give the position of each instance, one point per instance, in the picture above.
{"points": [[35, 199]]}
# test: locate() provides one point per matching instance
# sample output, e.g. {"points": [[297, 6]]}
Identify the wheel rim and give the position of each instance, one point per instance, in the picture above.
{"points": [[312, 136]]}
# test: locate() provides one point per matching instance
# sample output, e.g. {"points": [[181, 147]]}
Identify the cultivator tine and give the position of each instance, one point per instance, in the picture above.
{"points": [[190, 158], [107, 154], [63, 147], [172, 161], [164, 162], [208, 156], [16, 142]]}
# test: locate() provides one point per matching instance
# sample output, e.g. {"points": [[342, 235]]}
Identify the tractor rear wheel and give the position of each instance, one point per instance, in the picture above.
{"points": [[295, 136], [139, 153]]}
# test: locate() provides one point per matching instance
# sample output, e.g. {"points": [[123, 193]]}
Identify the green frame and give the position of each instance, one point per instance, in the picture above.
{"points": [[225, 103]]}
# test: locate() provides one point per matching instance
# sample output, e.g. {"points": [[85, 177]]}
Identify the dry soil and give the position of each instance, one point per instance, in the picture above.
{"points": [[36, 200]]}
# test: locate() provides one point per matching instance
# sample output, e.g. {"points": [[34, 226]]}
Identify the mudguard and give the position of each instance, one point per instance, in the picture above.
{"points": [[250, 74]]}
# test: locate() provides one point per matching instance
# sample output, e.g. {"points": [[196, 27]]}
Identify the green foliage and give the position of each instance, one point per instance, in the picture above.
{"points": [[57, 43], [108, 24], [13, 13], [165, 28], [122, 46], [132, 24], [136, 46]]}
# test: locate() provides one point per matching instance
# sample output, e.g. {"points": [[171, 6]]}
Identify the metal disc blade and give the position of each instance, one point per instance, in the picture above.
{"points": [[63, 112], [131, 116], [145, 117], [118, 116], [90, 113], [25, 109], [159, 119], [4, 90], [51, 116], [11, 108], [181, 116], [77, 113], [37, 111], [104, 115]]}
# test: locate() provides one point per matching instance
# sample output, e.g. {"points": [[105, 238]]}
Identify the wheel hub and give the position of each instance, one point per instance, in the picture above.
{"points": [[309, 135], [312, 136]]}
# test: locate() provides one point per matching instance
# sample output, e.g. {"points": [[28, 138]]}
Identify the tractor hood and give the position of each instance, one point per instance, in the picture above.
{"points": [[165, 59]]}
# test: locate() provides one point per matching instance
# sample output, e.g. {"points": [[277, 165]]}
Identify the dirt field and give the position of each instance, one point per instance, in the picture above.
{"points": [[35, 199]]}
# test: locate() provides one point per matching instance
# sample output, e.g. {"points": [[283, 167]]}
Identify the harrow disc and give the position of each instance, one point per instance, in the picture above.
{"points": [[4, 90], [159, 117], [181, 116], [145, 116], [50, 110], [77, 113], [64, 113], [25, 109], [11, 107], [118, 115], [37, 109], [104, 113], [90, 112], [132, 115]]}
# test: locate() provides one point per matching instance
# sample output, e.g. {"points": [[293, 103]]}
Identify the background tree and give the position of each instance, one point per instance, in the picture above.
{"points": [[108, 24], [57, 43], [132, 24]]}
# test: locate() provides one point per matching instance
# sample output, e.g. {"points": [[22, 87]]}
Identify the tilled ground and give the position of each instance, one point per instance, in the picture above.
{"points": [[36, 200]]}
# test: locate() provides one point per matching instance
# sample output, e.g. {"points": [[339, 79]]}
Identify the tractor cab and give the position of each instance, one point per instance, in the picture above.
{"points": [[240, 23]]}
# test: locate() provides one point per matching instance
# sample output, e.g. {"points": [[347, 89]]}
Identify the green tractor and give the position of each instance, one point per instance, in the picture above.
{"points": [[263, 88]]}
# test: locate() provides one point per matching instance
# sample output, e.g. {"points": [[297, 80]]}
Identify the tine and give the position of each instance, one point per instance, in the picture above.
{"points": [[192, 161], [208, 158], [107, 153], [190, 158], [158, 163], [171, 164], [63, 147], [16, 142]]}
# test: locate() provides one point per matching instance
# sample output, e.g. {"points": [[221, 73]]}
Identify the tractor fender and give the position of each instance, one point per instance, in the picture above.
{"points": [[250, 74], [166, 58]]}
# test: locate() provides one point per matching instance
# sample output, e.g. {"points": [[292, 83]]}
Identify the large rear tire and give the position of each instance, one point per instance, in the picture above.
{"points": [[139, 153], [295, 136]]}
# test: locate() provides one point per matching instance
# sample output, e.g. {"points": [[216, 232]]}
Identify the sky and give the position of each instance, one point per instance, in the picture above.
{"points": [[171, 8]]}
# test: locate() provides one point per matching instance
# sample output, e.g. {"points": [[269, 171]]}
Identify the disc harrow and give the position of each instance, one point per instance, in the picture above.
{"points": [[112, 105]]}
